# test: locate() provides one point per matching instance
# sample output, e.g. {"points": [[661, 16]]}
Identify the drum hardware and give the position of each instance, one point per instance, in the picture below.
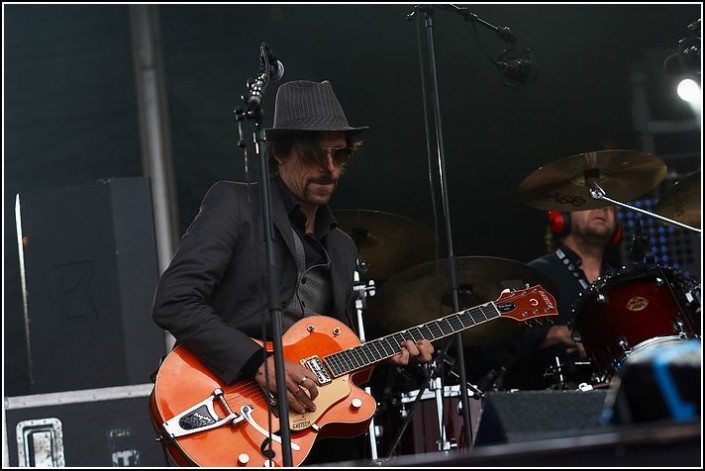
{"points": [[407, 418], [434, 384], [361, 292], [568, 375], [433, 388], [473, 391], [682, 201], [678, 326], [493, 380], [559, 369], [598, 193]]}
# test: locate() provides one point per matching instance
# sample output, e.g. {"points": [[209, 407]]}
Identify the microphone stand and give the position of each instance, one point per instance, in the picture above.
{"points": [[253, 111], [425, 13]]}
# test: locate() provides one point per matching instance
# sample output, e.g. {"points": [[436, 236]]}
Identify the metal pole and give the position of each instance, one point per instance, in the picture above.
{"points": [[452, 277]]}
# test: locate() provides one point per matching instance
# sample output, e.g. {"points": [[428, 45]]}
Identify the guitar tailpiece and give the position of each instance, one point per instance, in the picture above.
{"points": [[201, 417]]}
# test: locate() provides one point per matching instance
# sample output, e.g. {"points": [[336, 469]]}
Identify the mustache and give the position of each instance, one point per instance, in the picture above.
{"points": [[324, 180]]}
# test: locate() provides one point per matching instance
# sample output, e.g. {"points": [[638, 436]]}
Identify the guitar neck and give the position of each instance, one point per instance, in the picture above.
{"points": [[374, 351]]}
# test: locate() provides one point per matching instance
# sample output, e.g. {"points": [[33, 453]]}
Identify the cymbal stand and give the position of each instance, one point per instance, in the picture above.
{"points": [[361, 291], [598, 193]]}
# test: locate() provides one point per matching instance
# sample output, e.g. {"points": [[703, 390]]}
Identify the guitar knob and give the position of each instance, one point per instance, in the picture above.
{"points": [[268, 464], [356, 403], [244, 458]]}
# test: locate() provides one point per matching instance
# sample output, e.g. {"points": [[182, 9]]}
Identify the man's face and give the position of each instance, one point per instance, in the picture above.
{"points": [[312, 178], [594, 223]]}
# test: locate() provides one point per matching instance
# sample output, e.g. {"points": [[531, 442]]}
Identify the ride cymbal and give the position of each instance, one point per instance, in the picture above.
{"points": [[682, 201], [564, 185], [387, 242], [422, 294]]}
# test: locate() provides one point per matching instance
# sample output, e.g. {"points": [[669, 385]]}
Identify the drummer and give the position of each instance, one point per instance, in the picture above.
{"points": [[578, 246]]}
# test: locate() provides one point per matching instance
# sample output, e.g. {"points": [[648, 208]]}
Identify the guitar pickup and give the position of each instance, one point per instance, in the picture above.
{"points": [[315, 365], [201, 417]]}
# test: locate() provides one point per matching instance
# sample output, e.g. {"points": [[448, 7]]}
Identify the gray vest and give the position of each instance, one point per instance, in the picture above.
{"points": [[313, 293]]}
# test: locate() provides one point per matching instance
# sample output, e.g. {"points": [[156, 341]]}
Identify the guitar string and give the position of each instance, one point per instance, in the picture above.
{"points": [[355, 354], [355, 359]]}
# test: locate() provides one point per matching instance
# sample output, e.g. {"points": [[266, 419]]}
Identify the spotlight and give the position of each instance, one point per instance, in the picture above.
{"points": [[689, 91]]}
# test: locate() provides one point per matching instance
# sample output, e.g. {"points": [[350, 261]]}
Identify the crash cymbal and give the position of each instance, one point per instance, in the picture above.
{"points": [[422, 294], [682, 201], [564, 185], [387, 242]]}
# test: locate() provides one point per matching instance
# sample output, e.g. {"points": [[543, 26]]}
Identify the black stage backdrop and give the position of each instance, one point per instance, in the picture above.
{"points": [[70, 106]]}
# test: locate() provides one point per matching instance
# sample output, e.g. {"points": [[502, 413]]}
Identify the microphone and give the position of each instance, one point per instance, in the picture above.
{"points": [[270, 63], [517, 68], [270, 70]]}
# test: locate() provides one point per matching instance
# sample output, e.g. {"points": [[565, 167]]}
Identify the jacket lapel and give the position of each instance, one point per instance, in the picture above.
{"points": [[281, 219]]}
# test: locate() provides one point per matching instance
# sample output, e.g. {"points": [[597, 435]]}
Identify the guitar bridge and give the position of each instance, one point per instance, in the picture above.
{"points": [[201, 417]]}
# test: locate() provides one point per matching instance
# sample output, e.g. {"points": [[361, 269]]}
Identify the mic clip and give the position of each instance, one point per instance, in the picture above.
{"points": [[516, 67]]}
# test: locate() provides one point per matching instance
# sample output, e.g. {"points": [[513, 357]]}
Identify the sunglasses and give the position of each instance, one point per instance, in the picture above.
{"points": [[340, 155]]}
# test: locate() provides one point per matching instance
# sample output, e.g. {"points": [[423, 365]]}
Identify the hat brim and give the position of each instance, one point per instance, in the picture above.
{"points": [[274, 132]]}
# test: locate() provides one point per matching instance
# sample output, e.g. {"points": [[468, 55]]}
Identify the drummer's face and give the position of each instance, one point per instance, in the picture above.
{"points": [[595, 222]]}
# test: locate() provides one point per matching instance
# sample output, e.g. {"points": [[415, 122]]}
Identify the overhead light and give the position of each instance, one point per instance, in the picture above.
{"points": [[689, 90]]}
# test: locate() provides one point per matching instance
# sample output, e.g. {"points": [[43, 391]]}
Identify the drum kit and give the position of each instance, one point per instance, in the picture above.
{"points": [[622, 313]]}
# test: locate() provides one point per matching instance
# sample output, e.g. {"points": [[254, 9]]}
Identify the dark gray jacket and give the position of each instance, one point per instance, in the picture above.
{"points": [[213, 296]]}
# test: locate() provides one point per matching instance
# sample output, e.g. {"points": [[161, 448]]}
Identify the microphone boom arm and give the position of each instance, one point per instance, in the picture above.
{"points": [[503, 32]]}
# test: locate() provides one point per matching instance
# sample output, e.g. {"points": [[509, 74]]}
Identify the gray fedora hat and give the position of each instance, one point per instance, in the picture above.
{"points": [[302, 105]]}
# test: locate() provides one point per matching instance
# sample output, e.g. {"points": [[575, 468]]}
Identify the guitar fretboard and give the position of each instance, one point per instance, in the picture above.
{"points": [[374, 351]]}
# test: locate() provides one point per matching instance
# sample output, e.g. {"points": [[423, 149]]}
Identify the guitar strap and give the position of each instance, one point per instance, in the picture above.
{"points": [[313, 292]]}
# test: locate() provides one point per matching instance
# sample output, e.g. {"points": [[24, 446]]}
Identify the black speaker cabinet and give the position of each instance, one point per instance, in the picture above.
{"points": [[89, 268], [510, 417]]}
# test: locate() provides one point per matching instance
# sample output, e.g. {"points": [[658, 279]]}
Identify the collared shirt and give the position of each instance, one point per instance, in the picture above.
{"points": [[325, 223]]}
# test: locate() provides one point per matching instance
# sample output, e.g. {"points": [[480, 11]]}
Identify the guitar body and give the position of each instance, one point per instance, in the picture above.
{"points": [[342, 408], [206, 423]]}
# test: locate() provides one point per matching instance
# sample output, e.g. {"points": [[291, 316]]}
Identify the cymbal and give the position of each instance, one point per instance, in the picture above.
{"points": [[387, 242], [564, 185], [422, 294], [682, 201]]}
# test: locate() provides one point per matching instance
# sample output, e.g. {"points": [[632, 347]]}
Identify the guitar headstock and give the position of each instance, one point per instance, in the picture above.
{"points": [[526, 304]]}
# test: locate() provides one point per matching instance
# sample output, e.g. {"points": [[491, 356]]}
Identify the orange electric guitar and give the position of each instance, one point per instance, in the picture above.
{"points": [[206, 423]]}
